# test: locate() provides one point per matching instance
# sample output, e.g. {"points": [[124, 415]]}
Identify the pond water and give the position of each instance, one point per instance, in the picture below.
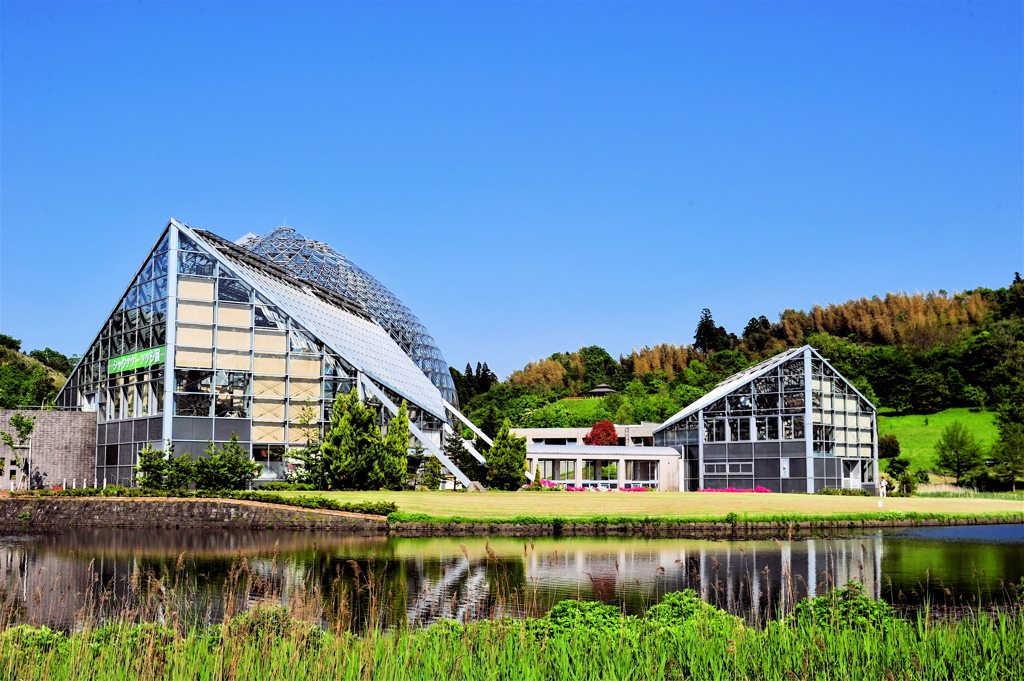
{"points": [[62, 579]]}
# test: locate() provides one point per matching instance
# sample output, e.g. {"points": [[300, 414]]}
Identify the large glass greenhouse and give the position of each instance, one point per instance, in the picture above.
{"points": [[790, 424], [213, 339]]}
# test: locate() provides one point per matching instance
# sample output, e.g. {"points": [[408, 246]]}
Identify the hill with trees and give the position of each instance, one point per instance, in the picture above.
{"points": [[911, 353], [31, 379]]}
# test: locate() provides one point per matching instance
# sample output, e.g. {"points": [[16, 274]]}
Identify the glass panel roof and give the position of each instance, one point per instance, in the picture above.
{"points": [[316, 261], [360, 341]]}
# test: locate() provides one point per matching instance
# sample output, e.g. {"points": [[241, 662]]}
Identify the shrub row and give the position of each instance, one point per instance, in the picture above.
{"points": [[381, 508], [830, 492]]}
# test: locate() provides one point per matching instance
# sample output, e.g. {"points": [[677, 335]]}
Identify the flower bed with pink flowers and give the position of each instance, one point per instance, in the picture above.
{"points": [[562, 487], [759, 489]]}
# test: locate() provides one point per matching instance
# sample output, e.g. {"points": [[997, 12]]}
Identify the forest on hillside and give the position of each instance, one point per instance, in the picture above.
{"points": [[30, 379], [911, 353]]}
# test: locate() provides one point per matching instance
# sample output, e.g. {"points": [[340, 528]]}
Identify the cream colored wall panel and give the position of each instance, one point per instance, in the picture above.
{"points": [[299, 433], [234, 315], [188, 357], [268, 385], [304, 387], [194, 311], [275, 341], [233, 338], [297, 407], [303, 366], [233, 359], [193, 287], [268, 432], [191, 334], [267, 409], [269, 364]]}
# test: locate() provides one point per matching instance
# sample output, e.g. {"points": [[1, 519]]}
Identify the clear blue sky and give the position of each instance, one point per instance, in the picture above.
{"points": [[527, 177]]}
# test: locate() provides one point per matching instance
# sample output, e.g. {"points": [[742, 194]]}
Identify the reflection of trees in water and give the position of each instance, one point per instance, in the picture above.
{"points": [[759, 579], [352, 583]]}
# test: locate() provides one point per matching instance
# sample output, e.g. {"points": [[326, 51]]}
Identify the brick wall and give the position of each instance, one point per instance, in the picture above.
{"points": [[63, 448]]}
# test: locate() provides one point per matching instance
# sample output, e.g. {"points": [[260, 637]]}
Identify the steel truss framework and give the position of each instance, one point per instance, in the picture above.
{"points": [[238, 346], [319, 262]]}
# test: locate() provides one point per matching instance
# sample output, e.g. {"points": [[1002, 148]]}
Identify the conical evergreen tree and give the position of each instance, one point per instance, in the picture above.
{"points": [[506, 461], [391, 467], [351, 445], [457, 453]]}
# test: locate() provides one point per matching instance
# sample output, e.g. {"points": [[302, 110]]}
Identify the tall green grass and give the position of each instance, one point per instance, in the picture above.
{"points": [[978, 647], [973, 494]]}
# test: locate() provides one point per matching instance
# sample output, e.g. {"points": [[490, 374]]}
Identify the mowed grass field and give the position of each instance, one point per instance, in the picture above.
{"points": [[919, 434], [688, 505]]}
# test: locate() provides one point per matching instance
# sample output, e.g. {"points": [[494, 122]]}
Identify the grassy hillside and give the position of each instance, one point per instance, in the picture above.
{"points": [[918, 433], [591, 409], [26, 380]]}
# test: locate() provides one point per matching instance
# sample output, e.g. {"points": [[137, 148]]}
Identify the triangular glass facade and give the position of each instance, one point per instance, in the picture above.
{"points": [[789, 424], [206, 343]]}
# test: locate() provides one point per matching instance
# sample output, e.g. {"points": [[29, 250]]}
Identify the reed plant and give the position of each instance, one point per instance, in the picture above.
{"points": [[171, 625], [697, 647]]}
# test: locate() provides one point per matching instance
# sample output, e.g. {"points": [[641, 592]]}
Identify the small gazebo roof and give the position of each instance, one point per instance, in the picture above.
{"points": [[602, 389]]}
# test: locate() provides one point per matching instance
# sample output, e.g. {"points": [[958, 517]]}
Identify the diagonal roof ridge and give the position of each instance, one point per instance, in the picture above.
{"points": [[334, 320], [734, 381]]}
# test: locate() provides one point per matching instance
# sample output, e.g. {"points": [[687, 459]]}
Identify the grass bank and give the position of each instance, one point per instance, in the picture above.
{"points": [[668, 506], [685, 639], [918, 434]]}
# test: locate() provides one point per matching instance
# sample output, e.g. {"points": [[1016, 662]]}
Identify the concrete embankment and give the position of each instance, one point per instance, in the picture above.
{"points": [[680, 530], [161, 512]]}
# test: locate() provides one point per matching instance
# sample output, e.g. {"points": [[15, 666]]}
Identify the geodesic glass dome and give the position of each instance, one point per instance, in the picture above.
{"points": [[319, 262]]}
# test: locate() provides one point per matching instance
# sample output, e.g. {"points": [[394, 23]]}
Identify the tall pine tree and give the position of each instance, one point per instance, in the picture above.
{"points": [[506, 460], [352, 444], [391, 467]]}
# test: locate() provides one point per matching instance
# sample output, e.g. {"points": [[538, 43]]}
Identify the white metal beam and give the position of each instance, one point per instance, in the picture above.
{"points": [[472, 426], [415, 430], [448, 430]]}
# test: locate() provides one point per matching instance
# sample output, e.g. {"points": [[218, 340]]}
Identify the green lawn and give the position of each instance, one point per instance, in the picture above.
{"points": [[587, 408], [918, 434], [682, 505]]}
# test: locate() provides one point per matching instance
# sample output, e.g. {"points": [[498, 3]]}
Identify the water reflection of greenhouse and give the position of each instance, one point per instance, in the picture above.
{"points": [[391, 582]]}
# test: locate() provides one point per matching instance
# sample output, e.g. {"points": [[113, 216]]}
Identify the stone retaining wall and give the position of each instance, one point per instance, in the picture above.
{"points": [[159, 512], [178, 513], [675, 530]]}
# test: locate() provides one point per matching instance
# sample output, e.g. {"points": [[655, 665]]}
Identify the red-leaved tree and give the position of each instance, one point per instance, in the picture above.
{"points": [[602, 433]]}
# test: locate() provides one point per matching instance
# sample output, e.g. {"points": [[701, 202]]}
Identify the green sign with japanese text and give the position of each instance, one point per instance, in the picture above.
{"points": [[136, 360]]}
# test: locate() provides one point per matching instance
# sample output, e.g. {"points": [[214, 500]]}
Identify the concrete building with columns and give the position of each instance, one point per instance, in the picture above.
{"points": [[606, 466]]}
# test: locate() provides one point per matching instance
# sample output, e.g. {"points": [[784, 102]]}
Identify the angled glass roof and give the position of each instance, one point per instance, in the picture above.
{"points": [[341, 326], [318, 262], [732, 382]]}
